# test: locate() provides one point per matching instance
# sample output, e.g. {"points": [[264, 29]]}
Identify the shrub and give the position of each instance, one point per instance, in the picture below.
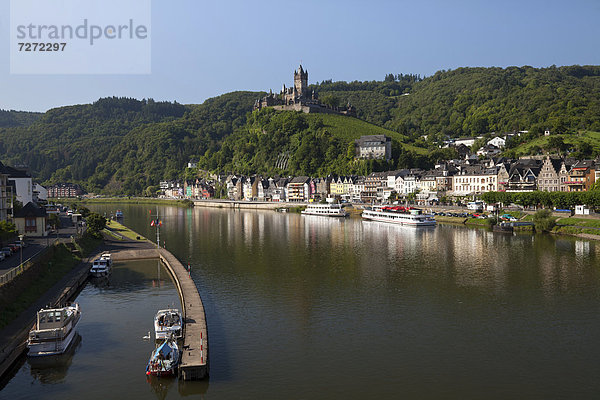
{"points": [[543, 220], [95, 223]]}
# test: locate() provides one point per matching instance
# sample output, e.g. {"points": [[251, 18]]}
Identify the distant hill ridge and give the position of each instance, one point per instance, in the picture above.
{"points": [[120, 145]]}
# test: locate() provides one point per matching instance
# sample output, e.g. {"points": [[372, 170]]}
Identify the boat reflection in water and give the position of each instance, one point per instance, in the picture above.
{"points": [[160, 385], [54, 369]]}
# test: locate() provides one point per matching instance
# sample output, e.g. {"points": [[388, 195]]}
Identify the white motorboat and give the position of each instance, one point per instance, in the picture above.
{"points": [[168, 323], [325, 210], [53, 331], [399, 215], [102, 266]]}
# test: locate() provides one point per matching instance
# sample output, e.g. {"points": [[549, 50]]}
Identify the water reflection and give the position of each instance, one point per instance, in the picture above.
{"points": [[54, 369], [160, 385], [469, 312]]}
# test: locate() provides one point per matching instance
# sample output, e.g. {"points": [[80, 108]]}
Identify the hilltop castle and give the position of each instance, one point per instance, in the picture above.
{"points": [[300, 98]]}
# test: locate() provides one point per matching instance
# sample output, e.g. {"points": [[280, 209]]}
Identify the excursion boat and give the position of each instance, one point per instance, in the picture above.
{"points": [[164, 359], [102, 266], [53, 331], [399, 215], [119, 214], [167, 323], [325, 210]]}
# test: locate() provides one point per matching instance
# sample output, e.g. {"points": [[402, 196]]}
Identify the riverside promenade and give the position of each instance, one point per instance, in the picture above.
{"points": [[247, 205]]}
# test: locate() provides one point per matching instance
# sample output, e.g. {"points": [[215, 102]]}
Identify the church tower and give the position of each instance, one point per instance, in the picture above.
{"points": [[301, 82]]}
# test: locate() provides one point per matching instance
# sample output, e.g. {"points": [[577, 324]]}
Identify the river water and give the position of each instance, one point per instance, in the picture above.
{"points": [[315, 308]]}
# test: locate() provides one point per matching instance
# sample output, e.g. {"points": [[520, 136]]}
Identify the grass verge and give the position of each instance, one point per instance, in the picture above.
{"points": [[121, 229], [582, 222], [450, 220], [574, 230]]}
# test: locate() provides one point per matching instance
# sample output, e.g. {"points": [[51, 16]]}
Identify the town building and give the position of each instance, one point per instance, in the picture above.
{"points": [[374, 147], [65, 190], [298, 189], [523, 175], [581, 176], [31, 220], [474, 180], [22, 183], [549, 179], [4, 194]]}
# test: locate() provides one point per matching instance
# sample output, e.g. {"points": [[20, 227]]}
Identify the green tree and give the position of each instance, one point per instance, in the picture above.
{"points": [[556, 144], [331, 100], [543, 220], [95, 223]]}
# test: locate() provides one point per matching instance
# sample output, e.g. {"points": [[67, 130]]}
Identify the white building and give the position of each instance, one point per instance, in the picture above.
{"points": [[23, 185], [375, 147], [475, 180], [39, 192], [498, 141]]}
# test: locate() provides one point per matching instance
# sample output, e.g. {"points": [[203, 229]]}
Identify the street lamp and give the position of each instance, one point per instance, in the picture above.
{"points": [[21, 239]]}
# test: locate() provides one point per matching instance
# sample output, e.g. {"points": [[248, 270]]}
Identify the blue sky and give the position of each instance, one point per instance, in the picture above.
{"points": [[202, 49]]}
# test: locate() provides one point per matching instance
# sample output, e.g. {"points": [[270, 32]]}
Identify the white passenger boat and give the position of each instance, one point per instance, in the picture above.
{"points": [[399, 215], [168, 323], [53, 331], [325, 210], [102, 266]]}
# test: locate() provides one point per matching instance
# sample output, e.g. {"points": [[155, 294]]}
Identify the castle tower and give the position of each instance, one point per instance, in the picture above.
{"points": [[301, 82]]}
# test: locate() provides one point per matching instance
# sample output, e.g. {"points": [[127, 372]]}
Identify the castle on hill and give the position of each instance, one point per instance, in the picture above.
{"points": [[300, 98]]}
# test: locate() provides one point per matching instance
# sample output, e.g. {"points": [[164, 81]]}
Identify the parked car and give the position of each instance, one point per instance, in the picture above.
{"points": [[13, 247], [2, 256], [6, 251]]}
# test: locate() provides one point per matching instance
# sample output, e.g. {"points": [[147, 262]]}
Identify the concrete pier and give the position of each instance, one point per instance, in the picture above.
{"points": [[194, 358]]}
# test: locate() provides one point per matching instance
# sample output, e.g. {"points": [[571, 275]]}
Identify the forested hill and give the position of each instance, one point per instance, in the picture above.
{"points": [[17, 118], [473, 101], [125, 146], [68, 143], [122, 145]]}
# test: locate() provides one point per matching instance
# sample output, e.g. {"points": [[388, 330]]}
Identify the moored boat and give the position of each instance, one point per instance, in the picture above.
{"points": [[399, 215], [101, 266], [53, 331], [325, 210], [164, 359], [119, 214], [168, 323]]}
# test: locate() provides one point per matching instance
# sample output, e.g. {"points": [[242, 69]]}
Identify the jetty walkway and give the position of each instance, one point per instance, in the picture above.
{"points": [[194, 359]]}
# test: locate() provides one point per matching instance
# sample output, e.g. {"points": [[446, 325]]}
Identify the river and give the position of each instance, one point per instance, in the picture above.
{"points": [[315, 308]]}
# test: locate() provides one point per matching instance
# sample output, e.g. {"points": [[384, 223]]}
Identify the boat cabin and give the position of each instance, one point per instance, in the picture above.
{"points": [[51, 319]]}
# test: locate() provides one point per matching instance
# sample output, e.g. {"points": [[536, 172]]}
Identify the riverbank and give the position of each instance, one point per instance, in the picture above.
{"points": [[127, 200], [57, 281]]}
